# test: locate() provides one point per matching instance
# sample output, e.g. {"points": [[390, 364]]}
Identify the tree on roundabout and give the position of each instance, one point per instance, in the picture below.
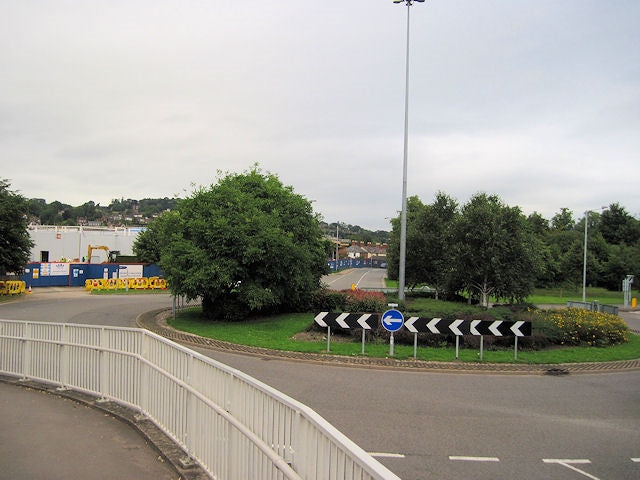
{"points": [[246, 245]]}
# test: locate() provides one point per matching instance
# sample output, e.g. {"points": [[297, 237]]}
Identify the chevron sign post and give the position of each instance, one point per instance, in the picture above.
{"points": [[498, 328], [365, 321]]}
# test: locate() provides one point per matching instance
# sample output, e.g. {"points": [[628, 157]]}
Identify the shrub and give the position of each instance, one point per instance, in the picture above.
{"points": [[575, 326], [328, 301], [360, 301]]}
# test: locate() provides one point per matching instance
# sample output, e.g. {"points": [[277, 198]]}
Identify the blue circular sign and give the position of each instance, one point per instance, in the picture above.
{"points": [[392, 320]]}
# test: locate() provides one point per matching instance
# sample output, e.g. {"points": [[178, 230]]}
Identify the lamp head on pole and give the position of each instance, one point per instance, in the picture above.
{"points": [[408, 2]]}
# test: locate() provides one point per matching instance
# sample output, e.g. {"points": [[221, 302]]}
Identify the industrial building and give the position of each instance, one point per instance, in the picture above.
{"points": [[54, 243], [71, 255]]}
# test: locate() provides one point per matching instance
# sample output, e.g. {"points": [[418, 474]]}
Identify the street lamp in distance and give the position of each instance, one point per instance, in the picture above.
{"points": [[584, 264]]}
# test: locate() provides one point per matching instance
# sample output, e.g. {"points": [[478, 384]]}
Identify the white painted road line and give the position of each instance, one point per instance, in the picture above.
{"points": [[386, 455], [569, 464], [565, 460], [360, 279], [473, 459], [636, 460]]}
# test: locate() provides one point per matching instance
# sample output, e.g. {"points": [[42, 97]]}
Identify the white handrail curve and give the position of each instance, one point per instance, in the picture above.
{"points": [[233, 425]]}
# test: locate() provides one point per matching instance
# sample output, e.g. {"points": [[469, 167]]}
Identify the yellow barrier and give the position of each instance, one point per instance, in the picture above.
{"points": [[140, 283], [12, 287]]}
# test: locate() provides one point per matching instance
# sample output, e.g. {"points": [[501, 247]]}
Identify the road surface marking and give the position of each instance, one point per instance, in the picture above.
{"points": [[636, 460], [473, 459], [386, 455], [569, 464], [360, 279]]}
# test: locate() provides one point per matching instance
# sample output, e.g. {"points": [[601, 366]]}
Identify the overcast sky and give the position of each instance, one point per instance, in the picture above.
{"points": [[535, 101]]}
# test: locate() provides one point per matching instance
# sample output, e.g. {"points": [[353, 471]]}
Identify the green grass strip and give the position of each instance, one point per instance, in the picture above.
{"points": [[277, 333]]}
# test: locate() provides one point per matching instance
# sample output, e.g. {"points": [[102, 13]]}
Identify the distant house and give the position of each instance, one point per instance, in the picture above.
{"points": [[365, 252], [357, 251]]}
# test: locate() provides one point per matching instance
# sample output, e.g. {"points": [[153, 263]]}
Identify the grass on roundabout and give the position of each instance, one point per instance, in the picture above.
{"points": [[283, 332]]}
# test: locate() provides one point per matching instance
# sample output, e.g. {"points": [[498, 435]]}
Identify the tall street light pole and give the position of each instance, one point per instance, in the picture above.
{"points": [[403, 214], [584, 264]]}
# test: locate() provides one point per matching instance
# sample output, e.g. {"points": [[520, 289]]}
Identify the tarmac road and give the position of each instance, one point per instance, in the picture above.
{"points": [[360, 277], [441, 425]]}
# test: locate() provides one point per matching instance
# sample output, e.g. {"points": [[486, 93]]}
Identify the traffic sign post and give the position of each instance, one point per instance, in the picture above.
{"points": [[365, 321], [497, 328], [392, 321]]}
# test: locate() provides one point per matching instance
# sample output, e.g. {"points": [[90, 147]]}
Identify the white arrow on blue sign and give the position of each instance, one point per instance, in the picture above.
{"points": [[392, 320]]}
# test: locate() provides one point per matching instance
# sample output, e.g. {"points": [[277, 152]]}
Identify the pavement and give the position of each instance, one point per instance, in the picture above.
{"points": [[50, 434]]}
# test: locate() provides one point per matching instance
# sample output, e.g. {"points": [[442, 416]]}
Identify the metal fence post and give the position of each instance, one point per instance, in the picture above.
{"points": [[64, 358], [26, 354], [144, 376], [103, 367]]}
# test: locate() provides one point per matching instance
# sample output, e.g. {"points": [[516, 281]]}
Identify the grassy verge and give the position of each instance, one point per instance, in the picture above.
{"points": [[552, 296], [562, 296], [278, 333]]}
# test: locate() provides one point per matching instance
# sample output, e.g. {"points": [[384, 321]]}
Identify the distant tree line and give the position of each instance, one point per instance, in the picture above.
{"points": [[57, 213], [354, 232], [486, 248]]}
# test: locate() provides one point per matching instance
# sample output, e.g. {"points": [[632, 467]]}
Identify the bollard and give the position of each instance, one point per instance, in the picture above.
{"points": [[634, 302]]}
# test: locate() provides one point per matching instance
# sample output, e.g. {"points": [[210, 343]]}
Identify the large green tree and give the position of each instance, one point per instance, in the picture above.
{"points": [[15, 242], [619, 227], [147, 245], [245, 245], [414, 270], [437, 227], [494, 250]]}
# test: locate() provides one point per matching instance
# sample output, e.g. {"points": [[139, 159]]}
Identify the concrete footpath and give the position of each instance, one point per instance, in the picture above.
{"points": [[47, 436]]}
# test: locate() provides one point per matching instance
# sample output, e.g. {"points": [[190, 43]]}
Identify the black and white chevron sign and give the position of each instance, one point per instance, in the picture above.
{"points": [[347, 320], [498, 328]]}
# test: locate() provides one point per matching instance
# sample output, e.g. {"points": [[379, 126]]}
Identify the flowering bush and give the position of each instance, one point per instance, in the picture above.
{"points": [[360, 301], [575, 326]]}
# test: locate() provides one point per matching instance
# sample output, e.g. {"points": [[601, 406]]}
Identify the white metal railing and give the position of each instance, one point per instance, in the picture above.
{"points": [[234, 426]]}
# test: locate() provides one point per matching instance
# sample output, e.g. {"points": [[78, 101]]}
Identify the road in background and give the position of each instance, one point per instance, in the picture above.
{"points": [[435, 425], [632, 318], [76, 305], [364, 278]]}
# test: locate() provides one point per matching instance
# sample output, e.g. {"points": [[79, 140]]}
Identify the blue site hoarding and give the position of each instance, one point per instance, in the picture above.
{"points": [[59, 274], [356, 263]]}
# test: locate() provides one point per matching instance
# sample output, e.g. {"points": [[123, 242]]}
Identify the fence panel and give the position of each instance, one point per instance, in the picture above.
{"points": [[233, 425]]}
